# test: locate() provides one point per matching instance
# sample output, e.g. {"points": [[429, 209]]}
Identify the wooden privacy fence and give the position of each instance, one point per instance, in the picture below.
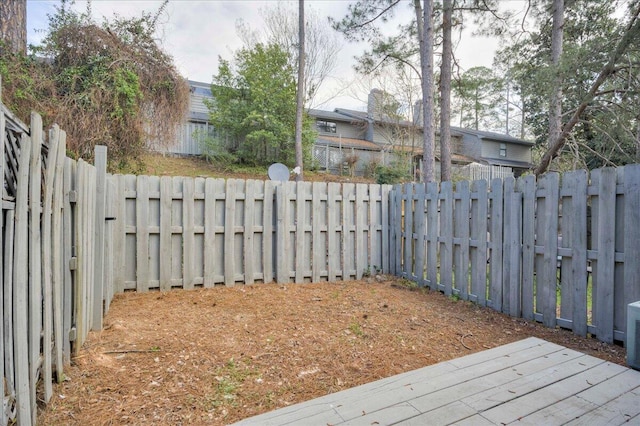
{"points": [[50, 273], [563, 250], [187, 232]]}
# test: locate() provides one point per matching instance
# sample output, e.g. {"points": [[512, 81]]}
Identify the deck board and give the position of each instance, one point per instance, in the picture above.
{"points": [[529, 382]]}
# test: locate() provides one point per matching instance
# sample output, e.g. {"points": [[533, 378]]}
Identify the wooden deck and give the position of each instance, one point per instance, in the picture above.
{"points": [[529, 382]]}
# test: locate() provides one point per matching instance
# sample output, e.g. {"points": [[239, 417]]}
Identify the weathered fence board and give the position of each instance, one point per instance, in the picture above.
{"points": [[555, 250], [20, 281], [185, 232]]}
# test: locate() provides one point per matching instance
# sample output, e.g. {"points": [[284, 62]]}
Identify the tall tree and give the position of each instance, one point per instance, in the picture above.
{"points": [[555, 107], [300, 92], [322, 46], [445, 91], [13, 25], [361, 24], [478, 99], [425, 36]]}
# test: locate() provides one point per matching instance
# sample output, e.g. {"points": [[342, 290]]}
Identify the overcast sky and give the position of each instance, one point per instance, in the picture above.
{"points": [[195, 33]]}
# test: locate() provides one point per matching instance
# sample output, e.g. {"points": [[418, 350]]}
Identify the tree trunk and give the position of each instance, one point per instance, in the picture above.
{"points": [[425, 35], [555, 107], [300, 97], [445, 92], [13, 25]]}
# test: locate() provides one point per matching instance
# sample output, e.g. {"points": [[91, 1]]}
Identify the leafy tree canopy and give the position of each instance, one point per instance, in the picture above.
{"points": [[254, 106], [108, 84]]}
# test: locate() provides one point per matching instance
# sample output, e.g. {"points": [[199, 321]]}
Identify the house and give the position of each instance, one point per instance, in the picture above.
{"points": [[365, 139], [377, 137], [197, 127]]}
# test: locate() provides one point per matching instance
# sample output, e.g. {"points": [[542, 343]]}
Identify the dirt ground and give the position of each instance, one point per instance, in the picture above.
{"points": [[215, 356]]}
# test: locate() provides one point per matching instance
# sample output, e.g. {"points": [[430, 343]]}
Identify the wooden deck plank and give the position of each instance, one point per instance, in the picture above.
{"points": [[530, 381], [584, 402], [622, 410], [474, 392], [548, 395]]}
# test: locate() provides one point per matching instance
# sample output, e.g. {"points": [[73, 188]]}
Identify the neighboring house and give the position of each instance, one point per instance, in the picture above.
{"points": [[372, 137], [375, 137], [197, 127]]}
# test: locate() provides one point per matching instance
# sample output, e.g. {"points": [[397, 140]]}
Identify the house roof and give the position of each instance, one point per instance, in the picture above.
{"points": [[508, 163], [348, 143], [330, 115], [499, 137]]}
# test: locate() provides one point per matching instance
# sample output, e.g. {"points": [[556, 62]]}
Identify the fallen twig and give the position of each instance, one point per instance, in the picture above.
{"points": [[127, 351], [462, 340]]}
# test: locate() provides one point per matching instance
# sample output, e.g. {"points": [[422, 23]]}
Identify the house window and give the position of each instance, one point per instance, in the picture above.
{"points": [[326, 126], [503, 150]]}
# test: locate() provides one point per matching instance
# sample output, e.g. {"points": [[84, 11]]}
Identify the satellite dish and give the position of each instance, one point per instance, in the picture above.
{"points": [[279, 172]]}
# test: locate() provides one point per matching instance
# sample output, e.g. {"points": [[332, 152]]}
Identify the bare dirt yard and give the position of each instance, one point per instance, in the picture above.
{"points": [[215, 356]]}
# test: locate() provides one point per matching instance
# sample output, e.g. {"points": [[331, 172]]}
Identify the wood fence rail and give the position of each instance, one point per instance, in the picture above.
{"points": [[563, 250], [186, 232]]}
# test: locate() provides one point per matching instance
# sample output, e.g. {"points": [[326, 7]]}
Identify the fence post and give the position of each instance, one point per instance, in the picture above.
{"points": [[100, 162]]}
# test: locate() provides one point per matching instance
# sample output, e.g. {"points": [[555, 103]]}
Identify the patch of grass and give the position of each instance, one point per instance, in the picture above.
{"points": [[228, 381], [356, 329]]}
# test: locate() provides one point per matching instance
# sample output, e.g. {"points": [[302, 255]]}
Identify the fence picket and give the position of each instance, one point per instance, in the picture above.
{"points": [[385, 203], [20, 280], [576, 183], [446, 231], [508, 228], [35, 257], [188, 233], [142, 233], [420, 236], [230, 232], [478, 251], [432, 234], [7, 315], [69, 241], [348, 231], [249, 230], [527, 186], [547, 277], [632, 233], [333, 230], [408, 202], [268, 231], [495, 257], [461, 234], [606, 253], [100, 162], [361, 252], [47, 265], [319, 241]]}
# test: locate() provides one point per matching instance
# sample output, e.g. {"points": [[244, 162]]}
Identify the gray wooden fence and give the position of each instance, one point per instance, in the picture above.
{"points": [[563, 250], [50, 271], [187, 232]]}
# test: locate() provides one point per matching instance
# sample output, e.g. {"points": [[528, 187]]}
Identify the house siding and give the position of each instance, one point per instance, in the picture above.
{"points": [[491, 149], [345, 130]]}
